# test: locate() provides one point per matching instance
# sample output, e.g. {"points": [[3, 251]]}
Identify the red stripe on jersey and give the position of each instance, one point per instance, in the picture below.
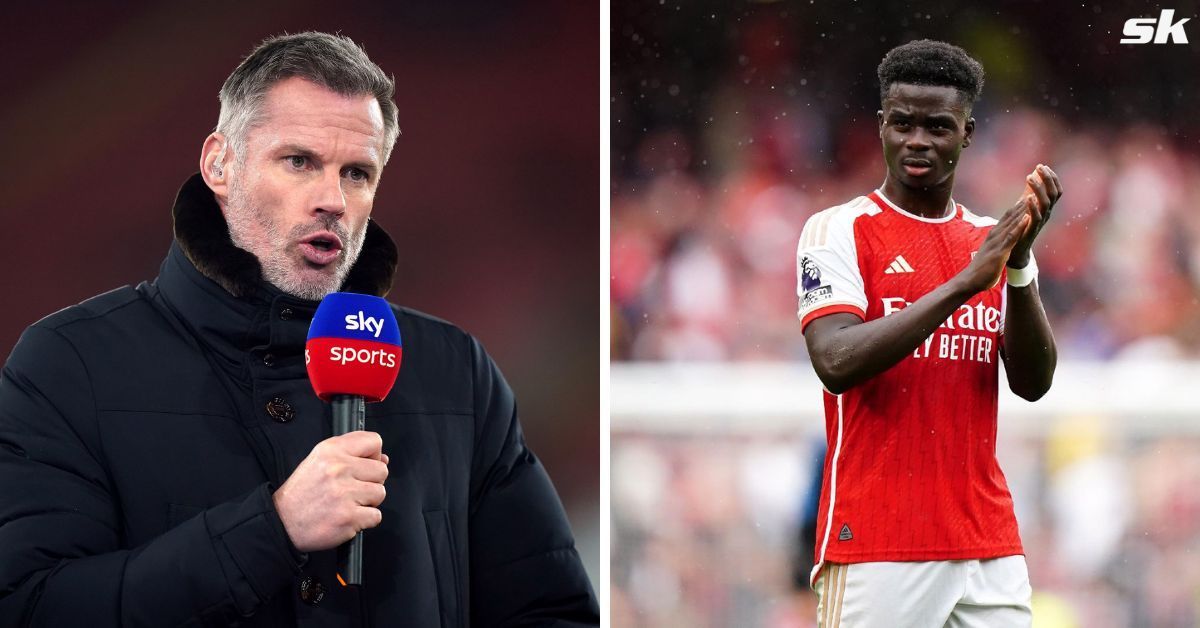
{"points": [[836, 308]]}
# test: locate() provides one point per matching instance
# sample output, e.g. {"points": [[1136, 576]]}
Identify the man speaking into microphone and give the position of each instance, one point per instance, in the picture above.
{"points": [[165, 461]]}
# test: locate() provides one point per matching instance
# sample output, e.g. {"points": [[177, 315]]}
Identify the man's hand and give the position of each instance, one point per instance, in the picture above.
{"points": [[1043, 189], [985, 269], [335, 492]]}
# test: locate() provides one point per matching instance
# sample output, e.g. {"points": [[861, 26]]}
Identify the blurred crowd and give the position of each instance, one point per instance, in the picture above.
{"points": [[732, 124], [703, 264], [706, 531]]}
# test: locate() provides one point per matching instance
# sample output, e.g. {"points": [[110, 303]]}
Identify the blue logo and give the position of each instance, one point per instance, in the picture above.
{"points": [[810, 275], [355, 316]]}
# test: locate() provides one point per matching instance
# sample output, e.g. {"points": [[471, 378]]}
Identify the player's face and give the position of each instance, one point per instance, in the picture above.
{"points": [[300, 197], [923, 128]]}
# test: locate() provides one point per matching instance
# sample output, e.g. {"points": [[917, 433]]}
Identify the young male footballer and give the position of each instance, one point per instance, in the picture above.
{"points": [[908, 303]]}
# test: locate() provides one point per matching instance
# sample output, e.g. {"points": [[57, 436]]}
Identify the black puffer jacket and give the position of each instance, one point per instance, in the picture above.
{"points": [[143, 431]]}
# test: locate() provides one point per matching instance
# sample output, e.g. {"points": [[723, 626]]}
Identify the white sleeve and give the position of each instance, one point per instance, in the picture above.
{"points": [[828, 279]]}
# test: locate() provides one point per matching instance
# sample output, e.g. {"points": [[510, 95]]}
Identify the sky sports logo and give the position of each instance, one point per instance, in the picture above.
{"points": [[353, 347], [1148, 30], [362, 322]]}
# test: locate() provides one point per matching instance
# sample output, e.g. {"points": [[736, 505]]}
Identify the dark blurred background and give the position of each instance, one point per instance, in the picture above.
{"points": [[490, 194], [731, 124]]}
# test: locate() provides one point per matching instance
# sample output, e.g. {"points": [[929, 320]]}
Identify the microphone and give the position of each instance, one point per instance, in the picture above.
{"points": [[352, 355]]}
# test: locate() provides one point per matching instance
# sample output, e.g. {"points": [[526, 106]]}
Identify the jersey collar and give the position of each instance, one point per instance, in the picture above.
{"points": [[885, 203]]}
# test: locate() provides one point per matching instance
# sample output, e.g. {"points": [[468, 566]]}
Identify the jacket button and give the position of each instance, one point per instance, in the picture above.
{"points": [[286, 313], [280, 410], [311, 590], [269, 359]]}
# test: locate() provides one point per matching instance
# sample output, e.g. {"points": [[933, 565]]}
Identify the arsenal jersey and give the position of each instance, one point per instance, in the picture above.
{"points": [[911, 473]]}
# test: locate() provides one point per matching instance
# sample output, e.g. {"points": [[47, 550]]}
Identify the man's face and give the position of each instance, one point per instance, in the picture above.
{"points": [[301, 188], [923, 128]]}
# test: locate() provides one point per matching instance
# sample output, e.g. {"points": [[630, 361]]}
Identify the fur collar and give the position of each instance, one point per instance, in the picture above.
{"points": [[203, 236]]}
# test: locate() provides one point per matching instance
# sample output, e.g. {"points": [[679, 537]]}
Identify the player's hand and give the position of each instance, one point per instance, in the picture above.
{"points": [[988, 264], [334, 492], [1044, 188]]}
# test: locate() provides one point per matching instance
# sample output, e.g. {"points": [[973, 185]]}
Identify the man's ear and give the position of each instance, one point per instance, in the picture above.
{"points": [[879, 114], [215, 165], [970, 132]]}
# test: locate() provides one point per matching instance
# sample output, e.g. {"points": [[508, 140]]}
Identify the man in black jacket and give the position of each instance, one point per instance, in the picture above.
{"points": [[164, 461]]}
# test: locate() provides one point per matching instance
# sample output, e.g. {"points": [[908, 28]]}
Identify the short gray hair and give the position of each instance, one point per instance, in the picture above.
{"points": [[331, 61]]}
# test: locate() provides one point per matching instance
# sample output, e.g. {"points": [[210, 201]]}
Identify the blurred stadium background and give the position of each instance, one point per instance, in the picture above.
{"points": [[732, 123], [490, 193]]}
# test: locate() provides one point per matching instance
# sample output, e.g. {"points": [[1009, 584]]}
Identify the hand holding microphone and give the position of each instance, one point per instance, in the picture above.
{"points": [[335, 492], [353, 355]]}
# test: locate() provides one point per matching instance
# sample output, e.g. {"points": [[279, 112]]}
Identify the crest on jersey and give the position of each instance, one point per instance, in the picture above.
{"points": [[810, 275], [810, 283]]}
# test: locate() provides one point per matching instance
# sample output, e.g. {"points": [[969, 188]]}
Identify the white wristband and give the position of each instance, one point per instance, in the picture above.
{"points": [[1021, 277]]}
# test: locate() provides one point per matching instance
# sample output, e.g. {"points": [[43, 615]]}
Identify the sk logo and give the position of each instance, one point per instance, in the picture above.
{"points": [[1142, 30]]}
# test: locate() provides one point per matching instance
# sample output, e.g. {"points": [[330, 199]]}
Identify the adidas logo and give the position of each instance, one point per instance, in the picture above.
{"points": [[898, 266], [846, 534]]}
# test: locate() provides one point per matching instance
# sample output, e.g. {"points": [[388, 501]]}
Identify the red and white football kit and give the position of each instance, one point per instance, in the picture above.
{"points": [[911, 473]]}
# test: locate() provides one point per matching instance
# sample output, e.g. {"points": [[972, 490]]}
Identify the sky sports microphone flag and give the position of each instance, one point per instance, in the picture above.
{"points": [[353, 356], [353, 347]]}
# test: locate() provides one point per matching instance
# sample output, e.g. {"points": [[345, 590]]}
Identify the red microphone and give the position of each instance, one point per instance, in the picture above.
{"points": [[353, 355]]}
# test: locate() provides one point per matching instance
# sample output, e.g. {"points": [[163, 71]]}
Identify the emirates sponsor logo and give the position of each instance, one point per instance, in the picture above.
{"points": [[943, 344], [978, 317]]}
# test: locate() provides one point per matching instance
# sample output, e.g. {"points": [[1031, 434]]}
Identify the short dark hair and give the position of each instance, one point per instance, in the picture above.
{"points": [[928, 62], [331, 61]]}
